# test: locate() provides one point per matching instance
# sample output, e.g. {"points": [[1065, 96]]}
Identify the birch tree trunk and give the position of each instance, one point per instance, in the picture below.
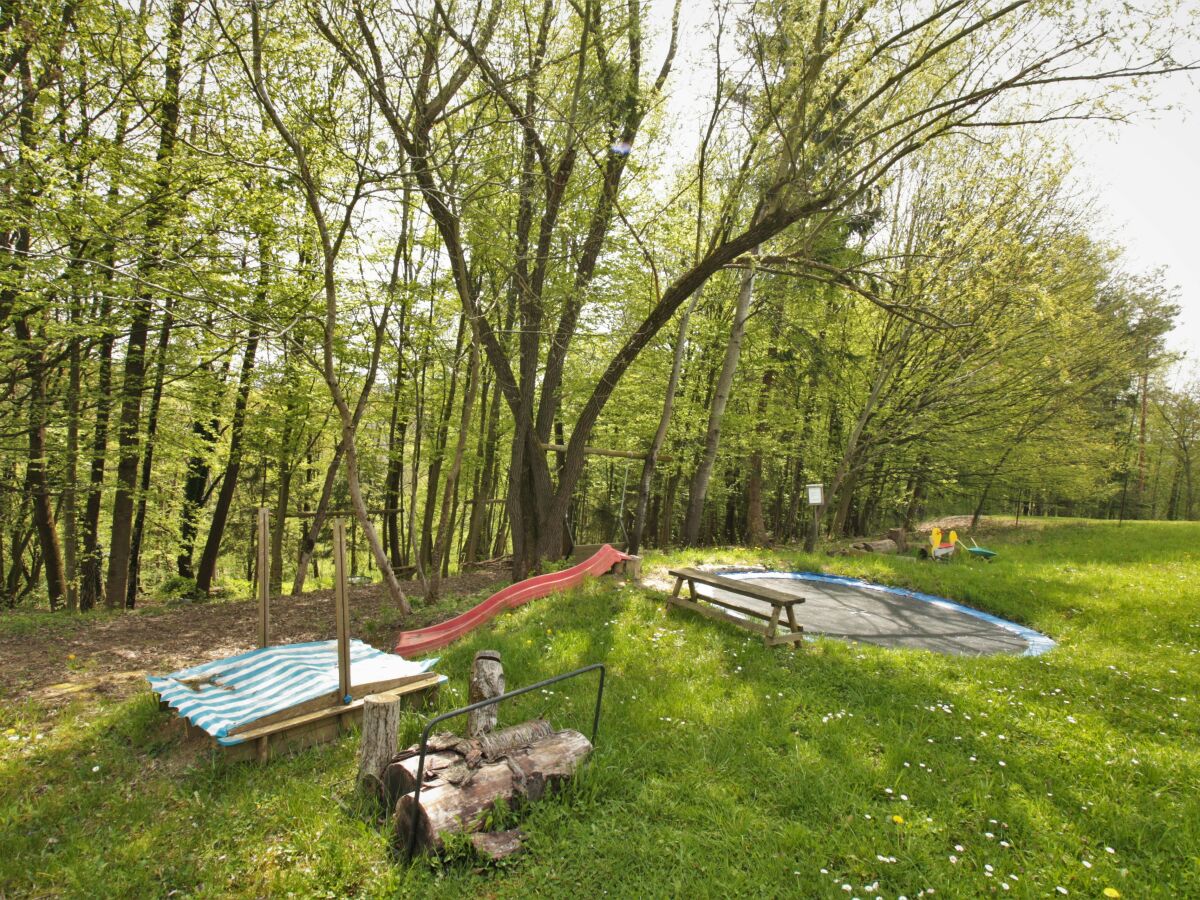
{"points": [[698, 489]]}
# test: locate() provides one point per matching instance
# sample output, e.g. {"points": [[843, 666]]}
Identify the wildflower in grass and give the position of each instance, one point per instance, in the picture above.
{"points": [[1086, 864], [1111, 892], [1062, 890], [899, 820]]}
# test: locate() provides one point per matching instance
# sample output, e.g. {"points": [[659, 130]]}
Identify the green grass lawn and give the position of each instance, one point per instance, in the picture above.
{"points": [[722, 768]]}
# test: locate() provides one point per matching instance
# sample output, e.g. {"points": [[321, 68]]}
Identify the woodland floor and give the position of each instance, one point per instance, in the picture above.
{"points": [[50, 658]]}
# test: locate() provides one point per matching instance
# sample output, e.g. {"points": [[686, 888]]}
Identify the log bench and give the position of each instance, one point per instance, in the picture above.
{"points": [[750, 600]]}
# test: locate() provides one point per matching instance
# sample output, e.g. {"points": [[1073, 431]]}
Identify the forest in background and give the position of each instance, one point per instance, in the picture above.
{"points": [[414, 265]]}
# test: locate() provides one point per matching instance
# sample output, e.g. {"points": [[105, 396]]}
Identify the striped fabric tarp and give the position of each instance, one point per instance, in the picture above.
{"points": [[225, 694]]}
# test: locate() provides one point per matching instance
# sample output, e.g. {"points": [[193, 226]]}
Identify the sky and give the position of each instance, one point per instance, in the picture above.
{"points": [[1144, 174]]}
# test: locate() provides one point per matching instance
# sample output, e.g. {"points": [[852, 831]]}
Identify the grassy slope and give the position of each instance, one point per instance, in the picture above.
{"points": [[723, 769]]}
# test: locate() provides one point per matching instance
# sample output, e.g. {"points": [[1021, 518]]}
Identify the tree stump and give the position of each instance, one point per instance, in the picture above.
{"points": [[900, 536], [381, 723], [487, 681]]}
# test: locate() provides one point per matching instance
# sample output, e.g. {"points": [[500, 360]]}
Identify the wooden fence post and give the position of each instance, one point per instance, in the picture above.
{"points": [[341, 608]]}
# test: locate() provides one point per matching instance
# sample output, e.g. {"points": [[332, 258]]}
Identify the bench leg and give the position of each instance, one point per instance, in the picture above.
{"points": [[773, 628], [791, 616]]}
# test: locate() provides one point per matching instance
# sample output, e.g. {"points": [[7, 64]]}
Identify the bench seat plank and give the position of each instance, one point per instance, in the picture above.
{"points": [[737, 586]]}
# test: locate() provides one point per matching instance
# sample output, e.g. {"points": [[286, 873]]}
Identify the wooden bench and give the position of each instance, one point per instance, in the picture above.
{"points": [[753, 600]]}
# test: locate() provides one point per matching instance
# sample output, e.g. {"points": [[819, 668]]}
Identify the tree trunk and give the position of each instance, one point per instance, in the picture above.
{"points": [[442, 542], [698, 488], [434, 475], [36, 482], [216, 530], [308, 543], [664, 425], [70, 495], [139, 525], [395, 468], [133, 383], [756, 529]]}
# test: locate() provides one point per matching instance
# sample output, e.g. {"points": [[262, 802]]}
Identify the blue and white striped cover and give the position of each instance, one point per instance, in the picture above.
{"points": [[272, 679]]}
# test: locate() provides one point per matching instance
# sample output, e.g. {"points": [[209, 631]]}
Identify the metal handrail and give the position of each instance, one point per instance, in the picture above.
{"points": [[491, 701]]}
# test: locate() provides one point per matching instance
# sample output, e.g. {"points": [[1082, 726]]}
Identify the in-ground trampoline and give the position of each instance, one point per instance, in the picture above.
{"points": [[855, 610]]}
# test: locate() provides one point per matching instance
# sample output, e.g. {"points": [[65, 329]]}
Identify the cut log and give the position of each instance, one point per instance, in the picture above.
{"points": [[381, 722], [487, 681], [887, 545], [900, 536], [453, 797], [446, 750]]}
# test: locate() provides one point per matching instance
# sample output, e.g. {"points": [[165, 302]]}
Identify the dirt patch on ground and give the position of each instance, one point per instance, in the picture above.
{"points": [[963, 524], [111, 657]]}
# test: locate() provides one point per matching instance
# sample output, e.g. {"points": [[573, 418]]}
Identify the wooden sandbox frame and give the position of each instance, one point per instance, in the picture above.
{"points": [[321, 719]]}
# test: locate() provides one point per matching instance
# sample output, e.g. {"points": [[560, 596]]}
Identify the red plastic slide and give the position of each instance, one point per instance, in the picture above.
{"points": [[423, 640]]}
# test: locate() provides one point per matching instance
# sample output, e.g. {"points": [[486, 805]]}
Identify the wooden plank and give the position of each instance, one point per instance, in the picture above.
{"points": [[794, 638], [718, 614], [341, 607], [752, 606], [292, 736], [264, 578], [737, 586], [430, 679]]}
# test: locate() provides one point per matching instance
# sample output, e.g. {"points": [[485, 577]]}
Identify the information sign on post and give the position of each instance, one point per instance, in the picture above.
{"points": [[816, 500]]}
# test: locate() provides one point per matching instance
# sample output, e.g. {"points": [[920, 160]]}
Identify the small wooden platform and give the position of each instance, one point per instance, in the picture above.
{"points": [[307, 727], [753, 600]]}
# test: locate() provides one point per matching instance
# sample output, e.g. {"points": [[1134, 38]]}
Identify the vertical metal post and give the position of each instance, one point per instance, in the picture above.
{"points": [[264, 578], [341, 608]]}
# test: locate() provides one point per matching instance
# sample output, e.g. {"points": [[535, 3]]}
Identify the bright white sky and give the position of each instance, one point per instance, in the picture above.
{"points": [[1145, 174]]}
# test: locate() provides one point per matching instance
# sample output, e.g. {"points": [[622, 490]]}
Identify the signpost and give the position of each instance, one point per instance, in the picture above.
{"points": [[816, 499]]}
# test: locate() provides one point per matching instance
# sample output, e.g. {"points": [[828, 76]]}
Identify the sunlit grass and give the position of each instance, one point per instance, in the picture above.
{"points": [[722, 768]]}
